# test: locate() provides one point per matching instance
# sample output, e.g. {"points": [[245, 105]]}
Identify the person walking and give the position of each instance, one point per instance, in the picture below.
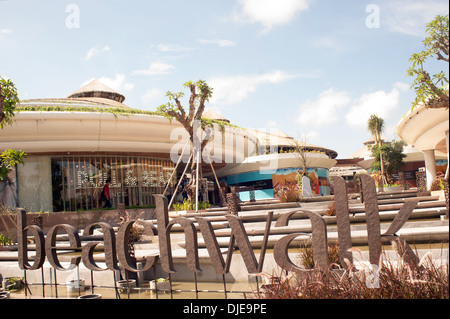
{"points": [[106, 197]]}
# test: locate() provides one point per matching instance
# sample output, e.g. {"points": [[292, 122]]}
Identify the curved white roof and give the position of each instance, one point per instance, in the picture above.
{"points": [[424, 128]]}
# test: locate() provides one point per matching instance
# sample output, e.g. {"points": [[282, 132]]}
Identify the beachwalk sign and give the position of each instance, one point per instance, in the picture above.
{"points": [[117, 256]]}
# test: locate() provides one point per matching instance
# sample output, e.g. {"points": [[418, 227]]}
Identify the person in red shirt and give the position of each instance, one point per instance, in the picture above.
{"points": [[106, 195]]}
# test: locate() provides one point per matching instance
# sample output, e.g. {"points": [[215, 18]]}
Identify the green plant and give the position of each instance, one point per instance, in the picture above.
{"points": [[186, 206], [5, 240], [181, 206], [8, 100], [431, 90], [204, 205], [375, 125], [393, 157]]}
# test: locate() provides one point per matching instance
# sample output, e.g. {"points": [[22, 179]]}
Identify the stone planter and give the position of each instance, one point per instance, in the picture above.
{"points": [[160, 285], [78, 220], [124, 284], [76, 285], [9, 248], [5, 295], [93, 296], [186, 212], [390, 189], [440, 193], [13, 283]]}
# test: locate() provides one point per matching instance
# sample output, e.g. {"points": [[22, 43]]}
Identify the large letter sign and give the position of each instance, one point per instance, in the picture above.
{"points": [[117, 254]]}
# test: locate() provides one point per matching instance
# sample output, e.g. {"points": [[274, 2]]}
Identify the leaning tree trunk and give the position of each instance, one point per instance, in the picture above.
{"points": [[192, 191], [383, 174]]}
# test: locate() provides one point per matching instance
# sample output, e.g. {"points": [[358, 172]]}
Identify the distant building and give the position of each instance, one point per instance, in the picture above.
{"points": [[360, 161]]}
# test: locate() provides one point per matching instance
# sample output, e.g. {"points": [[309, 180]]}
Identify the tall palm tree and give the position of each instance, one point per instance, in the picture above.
{"points": [[375, 125]]}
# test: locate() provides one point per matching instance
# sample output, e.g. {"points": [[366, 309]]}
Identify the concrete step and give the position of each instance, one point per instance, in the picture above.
{"points": [[436, 234], [430, 204], [417, 216], [399, 194], [403, 199], [427, 209]]}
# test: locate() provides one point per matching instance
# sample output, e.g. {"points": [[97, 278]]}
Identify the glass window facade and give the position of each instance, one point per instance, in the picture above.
{"points": [[78, 181]]}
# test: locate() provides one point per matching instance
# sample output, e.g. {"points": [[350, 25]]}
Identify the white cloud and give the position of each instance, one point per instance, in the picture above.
{"points": [[219, 42], [272, 123], [151, 95], [5, 31], [117, 83], [410, 17], [330, 104], [156, 68], [324, 110], [95, 51], [165, 47], [380, 102], [269, 12], [330, 44], [234, 89], [311, 136]]}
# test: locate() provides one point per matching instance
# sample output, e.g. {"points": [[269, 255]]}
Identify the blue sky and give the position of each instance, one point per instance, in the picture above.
{"points": [[314, 69]]}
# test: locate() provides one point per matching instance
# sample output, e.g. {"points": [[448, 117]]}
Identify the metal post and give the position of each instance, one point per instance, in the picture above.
{"points": [[224, 286], [156, 282], [175, 169], [56, 283], [43, 282], [196, 180], [196, 288], [179, 182], [92, 282], [115, 285], [170, 284]]}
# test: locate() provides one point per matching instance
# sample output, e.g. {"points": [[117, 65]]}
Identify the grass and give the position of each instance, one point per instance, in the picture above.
{"points": [[307, 256], [397, 280]]}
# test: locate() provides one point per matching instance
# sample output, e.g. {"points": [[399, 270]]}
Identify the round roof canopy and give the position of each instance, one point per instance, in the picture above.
{"points": [[210, 114], [96, 89]]}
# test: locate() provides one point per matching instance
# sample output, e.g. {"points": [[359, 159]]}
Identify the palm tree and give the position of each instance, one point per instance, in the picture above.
{"points": [[375, 125]]}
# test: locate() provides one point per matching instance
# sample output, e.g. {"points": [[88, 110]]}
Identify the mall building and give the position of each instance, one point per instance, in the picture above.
{"points": [[75, 144]]}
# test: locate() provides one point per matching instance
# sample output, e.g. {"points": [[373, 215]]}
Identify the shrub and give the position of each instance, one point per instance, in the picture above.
{"points": [[289, 193], [186, 206], [438, 183], [5, 240], [396, 281], [307, 256], [331, 209]]}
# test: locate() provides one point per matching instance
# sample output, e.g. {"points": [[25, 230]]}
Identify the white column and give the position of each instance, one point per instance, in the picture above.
{"points": [[430, 166]]}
